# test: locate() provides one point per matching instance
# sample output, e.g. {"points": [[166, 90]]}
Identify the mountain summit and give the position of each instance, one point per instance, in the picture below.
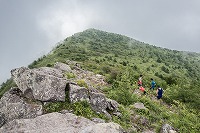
{"points": [[90, 79]]}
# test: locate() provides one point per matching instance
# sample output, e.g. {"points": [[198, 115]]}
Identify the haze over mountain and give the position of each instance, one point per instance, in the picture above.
{"points": [[96, 63], [31, 28]]}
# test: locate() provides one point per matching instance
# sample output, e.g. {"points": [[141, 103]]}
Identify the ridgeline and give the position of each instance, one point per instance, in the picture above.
{"points": [[121, 60]]}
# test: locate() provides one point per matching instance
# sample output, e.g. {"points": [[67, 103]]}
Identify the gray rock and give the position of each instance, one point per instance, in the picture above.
{"points": [[132, 130], [63, 67], [2, 119], [140, 120], [144, 121], [172, 131], [44, 84], [98, 120], [77, 93], [49, 71], [139, 106], [166, 128], [98, 102], [90, 78], [73, 63], [103, 128], [15, 90], [112, 105], [65, 111], [13, 106], [59, 123], [118, 114], [137, 92]]}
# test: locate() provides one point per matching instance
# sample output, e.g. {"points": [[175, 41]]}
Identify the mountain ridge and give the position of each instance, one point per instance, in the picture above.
{"points": [[121, 60]]}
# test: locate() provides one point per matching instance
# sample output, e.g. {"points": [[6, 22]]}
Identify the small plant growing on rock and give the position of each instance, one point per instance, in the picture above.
{"points": [[82, 83], [69, 75]]}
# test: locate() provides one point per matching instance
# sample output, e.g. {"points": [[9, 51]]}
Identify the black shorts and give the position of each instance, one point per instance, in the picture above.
{"points": [[158, 97]]}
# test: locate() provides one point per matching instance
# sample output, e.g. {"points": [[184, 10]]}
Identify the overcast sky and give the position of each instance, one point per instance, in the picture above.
{"points": [[31, 28]]}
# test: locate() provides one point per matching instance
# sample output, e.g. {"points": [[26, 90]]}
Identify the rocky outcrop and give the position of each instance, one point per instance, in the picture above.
{"points": [[44, 84], [21, 107], [91, 79], [48, 84], [59, 123], [13, 106], [97, 100]]}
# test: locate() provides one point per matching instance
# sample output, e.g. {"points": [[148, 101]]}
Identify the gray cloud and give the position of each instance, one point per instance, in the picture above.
{"points": [[31, 28]]}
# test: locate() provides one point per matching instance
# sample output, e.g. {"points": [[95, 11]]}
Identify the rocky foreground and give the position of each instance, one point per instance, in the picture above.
{"points": [[21, 108], [59, 123]]}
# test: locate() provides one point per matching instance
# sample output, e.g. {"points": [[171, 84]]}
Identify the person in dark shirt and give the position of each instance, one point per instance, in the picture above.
{"points": [[159, 92]]}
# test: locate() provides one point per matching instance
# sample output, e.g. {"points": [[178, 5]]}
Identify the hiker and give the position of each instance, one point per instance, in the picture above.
{"points": [[159, 92], [142, 89], [140, 81], [153, 84]]}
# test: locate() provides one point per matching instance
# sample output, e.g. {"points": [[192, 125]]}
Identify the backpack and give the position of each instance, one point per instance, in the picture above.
{"points": [[160, 92], [153, 84]]}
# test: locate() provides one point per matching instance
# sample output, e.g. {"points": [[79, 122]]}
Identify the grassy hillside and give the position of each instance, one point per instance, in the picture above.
{"points": [[122, 59], [110, 54]]}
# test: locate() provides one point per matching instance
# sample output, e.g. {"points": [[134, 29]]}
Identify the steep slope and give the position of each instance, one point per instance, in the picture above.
{"points": [[109, 54], [121, 60]]}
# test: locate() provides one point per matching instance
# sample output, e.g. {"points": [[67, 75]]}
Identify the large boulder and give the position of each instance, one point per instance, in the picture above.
{"points": [[98, 102], [59, 123], [77, 93], [63, 67], [13, 106], [44, 84]]}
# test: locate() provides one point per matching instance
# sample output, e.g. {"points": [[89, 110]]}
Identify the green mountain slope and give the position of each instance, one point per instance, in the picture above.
{"points": [[110, 54], [122, 59]]}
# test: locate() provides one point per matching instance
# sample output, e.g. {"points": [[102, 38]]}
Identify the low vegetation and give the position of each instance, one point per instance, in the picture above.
{"points": [[121, 60]]}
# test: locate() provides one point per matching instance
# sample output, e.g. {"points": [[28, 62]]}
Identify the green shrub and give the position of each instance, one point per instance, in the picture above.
{"points": [[69, 75], [81, 108], [84, 109], [82, 83], [6, 86], [124, 120], [49, 65]]}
